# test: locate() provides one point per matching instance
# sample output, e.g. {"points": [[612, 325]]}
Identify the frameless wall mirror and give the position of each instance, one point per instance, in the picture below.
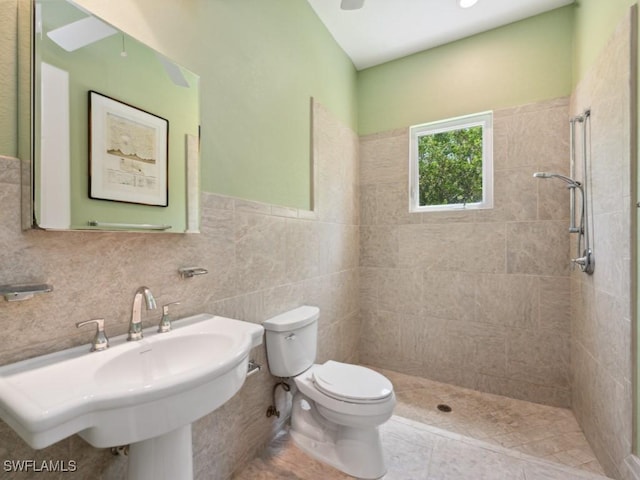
{"points": [[113, 127]]}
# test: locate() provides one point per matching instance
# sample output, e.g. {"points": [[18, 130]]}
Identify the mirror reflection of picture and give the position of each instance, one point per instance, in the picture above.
{"points": [[128, 153]]}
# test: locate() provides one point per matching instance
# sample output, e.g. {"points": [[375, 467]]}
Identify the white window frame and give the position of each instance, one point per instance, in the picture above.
{"points": [[483, 119]]}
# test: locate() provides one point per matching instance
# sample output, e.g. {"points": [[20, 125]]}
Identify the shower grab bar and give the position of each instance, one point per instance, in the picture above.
{"points": [[572, 174]]}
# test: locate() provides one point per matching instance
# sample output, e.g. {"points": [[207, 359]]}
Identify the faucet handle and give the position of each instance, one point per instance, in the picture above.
{"points": [[165, 323], [100, 340]]}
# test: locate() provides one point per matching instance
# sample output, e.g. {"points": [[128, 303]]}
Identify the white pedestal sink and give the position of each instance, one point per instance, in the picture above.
{"points": [[144, 393]]}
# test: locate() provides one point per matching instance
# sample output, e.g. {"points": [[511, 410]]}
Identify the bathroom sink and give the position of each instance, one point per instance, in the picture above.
{"points": [[133, 391]]}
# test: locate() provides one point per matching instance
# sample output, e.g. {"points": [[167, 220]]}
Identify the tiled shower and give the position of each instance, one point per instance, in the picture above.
{"points": [[486, 299]]}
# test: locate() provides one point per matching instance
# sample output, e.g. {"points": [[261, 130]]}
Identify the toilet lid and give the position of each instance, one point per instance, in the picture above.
{"points": [[351, 382]]}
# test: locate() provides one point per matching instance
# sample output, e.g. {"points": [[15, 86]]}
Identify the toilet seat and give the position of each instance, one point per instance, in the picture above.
{"points": [[351, 383]]}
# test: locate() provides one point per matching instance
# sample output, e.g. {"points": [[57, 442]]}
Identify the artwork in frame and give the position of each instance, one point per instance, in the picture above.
{"points": [[128, 153]]}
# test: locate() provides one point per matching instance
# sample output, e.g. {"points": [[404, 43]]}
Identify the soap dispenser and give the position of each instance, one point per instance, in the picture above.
{"points": [[165, 323]]}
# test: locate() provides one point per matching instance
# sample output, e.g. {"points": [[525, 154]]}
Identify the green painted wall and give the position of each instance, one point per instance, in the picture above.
{"points": [[259, 63], [523, 62], [595, 21], [8, 79]]}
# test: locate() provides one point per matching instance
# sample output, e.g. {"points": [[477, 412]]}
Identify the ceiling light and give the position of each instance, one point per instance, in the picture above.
{"points": [[467, 3], [351, 4]]}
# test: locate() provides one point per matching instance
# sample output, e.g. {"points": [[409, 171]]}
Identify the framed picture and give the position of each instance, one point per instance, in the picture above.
{"points": [[128, 153]]}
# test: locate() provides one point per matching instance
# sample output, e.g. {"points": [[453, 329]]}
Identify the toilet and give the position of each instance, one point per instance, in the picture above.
{"points": [[337, 407]]}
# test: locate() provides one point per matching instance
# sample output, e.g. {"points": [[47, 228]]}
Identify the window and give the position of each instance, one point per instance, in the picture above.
{"points": [[451, 164]]}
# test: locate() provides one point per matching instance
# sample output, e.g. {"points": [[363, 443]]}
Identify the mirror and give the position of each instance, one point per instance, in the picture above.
{"points": [[114, 128]]}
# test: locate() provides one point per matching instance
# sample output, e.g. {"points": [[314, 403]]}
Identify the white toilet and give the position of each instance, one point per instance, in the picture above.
{"points": [[337, 407]]}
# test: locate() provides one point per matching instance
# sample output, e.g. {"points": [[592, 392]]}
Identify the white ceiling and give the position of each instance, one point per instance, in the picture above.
{"points": [[384, 30]]}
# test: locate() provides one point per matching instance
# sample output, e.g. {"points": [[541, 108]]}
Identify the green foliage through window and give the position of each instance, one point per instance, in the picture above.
{"points": [[450, 167]]}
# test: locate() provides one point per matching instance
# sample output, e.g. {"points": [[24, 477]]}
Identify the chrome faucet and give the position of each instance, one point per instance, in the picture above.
{"points": [[135, 325]]}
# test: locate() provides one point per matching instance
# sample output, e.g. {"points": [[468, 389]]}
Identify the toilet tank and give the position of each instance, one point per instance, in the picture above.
{"points": [[291, 341]]}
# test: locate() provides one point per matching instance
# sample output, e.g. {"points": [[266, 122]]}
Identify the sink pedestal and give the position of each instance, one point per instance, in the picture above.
{"points": [[167, 457]]}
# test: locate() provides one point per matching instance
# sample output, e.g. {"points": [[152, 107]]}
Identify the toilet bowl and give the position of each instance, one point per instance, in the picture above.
{"points": [[337, 407]]}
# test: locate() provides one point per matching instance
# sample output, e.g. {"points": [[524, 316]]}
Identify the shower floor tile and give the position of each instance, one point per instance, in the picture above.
{"points": [[484, 437], [548, 433]]}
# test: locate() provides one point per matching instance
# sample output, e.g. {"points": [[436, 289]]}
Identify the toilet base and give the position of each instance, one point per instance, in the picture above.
{"points": [[354, 451]]}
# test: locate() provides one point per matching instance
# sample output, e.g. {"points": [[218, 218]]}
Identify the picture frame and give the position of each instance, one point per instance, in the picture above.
{"points": [[128, 153]]}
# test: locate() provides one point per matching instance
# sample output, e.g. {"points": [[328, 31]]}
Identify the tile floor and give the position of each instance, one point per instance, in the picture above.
{"points": [[484, 437], [544, 432]]}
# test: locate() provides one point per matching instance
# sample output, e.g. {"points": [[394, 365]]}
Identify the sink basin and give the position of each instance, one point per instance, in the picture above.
{"points": [[133, 391]]}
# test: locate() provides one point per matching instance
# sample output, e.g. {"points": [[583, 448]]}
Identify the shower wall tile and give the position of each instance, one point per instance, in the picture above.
{"points": [[400, 290], [501, 119], [555, 304], [262, 260], [515, 197], [540, 358], [368, 205], [493, 310], [611, 238], [554, 199], [524, 390], [601, 303], [450, 295], [379, 246], [507, 300], [468, 347], [467, 247], [339, 247], [392, 201], [539, 136], [384, 158], [538, 248]]}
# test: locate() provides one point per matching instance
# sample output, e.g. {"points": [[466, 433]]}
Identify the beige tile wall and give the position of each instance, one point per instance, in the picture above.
{"points": [[601, 304], [475, 298], [262, 260]]}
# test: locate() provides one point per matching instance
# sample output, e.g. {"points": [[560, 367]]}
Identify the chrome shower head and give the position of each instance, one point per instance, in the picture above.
{"points": [[568, 180]]}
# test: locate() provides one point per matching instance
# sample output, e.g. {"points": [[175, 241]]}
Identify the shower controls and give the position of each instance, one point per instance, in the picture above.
{"points": [[586, 262], [584, 230]]}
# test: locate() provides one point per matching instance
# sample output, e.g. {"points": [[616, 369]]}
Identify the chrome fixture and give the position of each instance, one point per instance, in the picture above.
{"points": [[165, 323], [585, 260], [570, 181], [572, 185], [253, 368], [16, 293], [135, 325], [188, 272], [100, 341]]}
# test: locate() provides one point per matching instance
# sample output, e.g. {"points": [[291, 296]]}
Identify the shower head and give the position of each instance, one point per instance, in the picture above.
{"points": [[570, 181]]}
